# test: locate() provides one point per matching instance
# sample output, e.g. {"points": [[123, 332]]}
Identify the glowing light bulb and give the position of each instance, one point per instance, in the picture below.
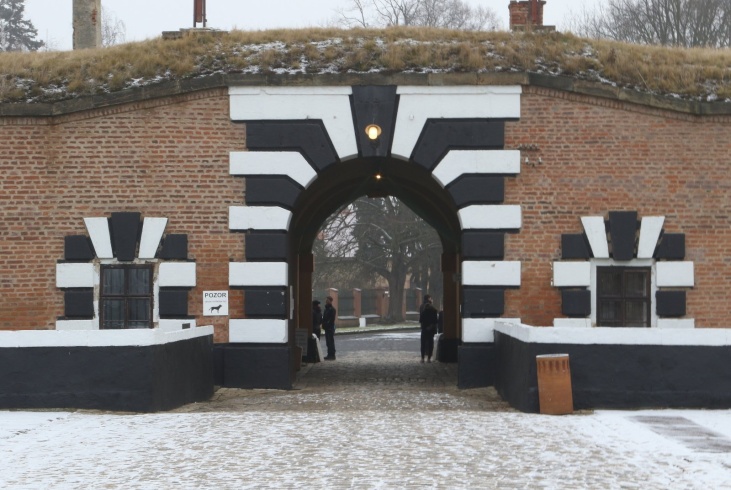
{"points": [[373, 131]]}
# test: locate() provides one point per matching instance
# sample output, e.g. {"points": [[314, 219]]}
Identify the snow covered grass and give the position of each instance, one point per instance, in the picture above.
{"points": [[693, 74]]}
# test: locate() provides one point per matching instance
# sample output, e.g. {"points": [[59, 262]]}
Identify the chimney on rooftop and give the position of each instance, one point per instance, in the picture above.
{"points": [[87, 24], [527, 15]]}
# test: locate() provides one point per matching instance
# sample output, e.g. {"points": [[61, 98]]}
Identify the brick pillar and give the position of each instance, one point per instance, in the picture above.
{"points": [[357, 303], [87, 21]]}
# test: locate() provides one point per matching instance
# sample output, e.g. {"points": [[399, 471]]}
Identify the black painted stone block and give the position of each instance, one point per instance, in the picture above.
{"points": [[576, 303], [483, 245], [265, 303], [575, 246], [272, 191], [671, 247], [623, 230], [77, 247], [483, 302], [174, 247], [173, 303], [477, 189], [477, 366], [79, 303], [670, 303], [125, 230], [308, 137], [374, 104], [256, 366], [440, 135], [266, 246]]}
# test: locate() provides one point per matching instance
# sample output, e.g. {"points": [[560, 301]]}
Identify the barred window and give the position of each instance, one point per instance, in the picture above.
{"points": [[623, 297], [126, 297]]}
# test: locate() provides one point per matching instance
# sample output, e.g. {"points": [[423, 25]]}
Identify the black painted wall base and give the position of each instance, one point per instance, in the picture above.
{"points": [[476, 366], [619, 376], [447, 349], [128, 378], [260, 366]]}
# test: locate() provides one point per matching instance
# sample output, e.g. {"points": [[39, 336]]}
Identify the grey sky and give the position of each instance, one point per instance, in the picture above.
{"points": [[148, 18]]}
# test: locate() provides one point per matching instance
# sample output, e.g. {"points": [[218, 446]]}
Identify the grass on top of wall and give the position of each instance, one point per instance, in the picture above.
{"points": [[694, 74]]}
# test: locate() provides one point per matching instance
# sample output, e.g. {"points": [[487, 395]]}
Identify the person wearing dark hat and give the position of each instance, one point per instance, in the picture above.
{"points": [[316, 318], [328, 324]]}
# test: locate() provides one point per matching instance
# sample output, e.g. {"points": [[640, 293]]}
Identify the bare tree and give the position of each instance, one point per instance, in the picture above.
{"points": [[686, 23], [113, 29], [378, 237], [448, 14]]}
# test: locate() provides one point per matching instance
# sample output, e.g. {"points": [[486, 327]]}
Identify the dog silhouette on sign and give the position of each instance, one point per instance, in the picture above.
{"points": [[217, 308]]}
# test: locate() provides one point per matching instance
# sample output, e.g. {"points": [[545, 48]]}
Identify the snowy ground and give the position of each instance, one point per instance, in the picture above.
{"points": [[371, 419], [356, 450]]}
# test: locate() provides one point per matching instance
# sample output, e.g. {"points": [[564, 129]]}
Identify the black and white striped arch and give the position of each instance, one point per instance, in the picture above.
{"points": [[294, 133], [119, 240], [663, 253]]}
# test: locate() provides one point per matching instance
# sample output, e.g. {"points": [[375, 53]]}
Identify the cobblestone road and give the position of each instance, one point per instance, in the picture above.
{"points": [[367, 420]]}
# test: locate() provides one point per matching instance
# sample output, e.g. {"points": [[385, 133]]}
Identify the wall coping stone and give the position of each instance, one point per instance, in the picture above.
{"points": [[215, 81], [98, 338], [616, 335]]}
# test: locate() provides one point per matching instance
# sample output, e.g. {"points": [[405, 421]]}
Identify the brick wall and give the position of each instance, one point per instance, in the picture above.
{"points": [[170, 157], [167, 158], [600, 156]]}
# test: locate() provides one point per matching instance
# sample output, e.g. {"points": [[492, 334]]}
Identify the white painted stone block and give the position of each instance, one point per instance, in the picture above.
{"points": [[680, 323], [289, 163], [98, 229], [419, 103], [491, 217], [176, 274], [258, 218], [76, 325], [460, 162], [675, 274], [74, 275], [491, 273], [171, 325], [572, 322], [571, 274], [480, 330], [258, 331], [331, 105], [597, 235], [257, 274], [152, 230], [650, 230]]}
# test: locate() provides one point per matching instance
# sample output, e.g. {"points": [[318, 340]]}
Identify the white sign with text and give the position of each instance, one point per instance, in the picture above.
{"points": [[215, 303]]}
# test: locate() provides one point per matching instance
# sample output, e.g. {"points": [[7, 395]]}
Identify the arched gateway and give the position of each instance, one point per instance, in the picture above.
{"points": [[438, 149]]}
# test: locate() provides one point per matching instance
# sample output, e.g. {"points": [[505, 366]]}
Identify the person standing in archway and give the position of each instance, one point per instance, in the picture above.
{"points": [[316, 318], [328, 323], [428, 318]]}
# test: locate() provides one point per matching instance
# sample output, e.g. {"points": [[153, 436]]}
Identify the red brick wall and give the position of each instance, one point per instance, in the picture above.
{"points": [[600, 156], [170, 158], [167, 158]]}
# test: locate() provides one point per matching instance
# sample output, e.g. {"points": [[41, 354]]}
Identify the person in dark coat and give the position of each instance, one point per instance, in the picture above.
{"points": [[428, 318], [316, 318], [328, 324]]}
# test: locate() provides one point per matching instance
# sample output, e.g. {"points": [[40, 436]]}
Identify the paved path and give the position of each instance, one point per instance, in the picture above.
{"points": [[370, 419]]}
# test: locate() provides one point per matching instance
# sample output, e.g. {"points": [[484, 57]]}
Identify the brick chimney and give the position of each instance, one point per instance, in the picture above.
{"points": [[87, 23], [527, 15]]}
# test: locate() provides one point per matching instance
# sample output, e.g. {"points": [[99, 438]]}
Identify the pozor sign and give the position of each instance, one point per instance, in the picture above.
{"points": [[215, 303]]}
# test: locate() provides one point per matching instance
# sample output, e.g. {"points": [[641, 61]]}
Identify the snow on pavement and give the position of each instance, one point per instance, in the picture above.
{"points": [[356, 449]]}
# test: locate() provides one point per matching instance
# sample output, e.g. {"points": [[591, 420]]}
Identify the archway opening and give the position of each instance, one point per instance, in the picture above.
{"points": [[380, 177]]}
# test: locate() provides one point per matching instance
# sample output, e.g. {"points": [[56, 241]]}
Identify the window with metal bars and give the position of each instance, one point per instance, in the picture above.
{"points": [[623, 297], [126, 297]]}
